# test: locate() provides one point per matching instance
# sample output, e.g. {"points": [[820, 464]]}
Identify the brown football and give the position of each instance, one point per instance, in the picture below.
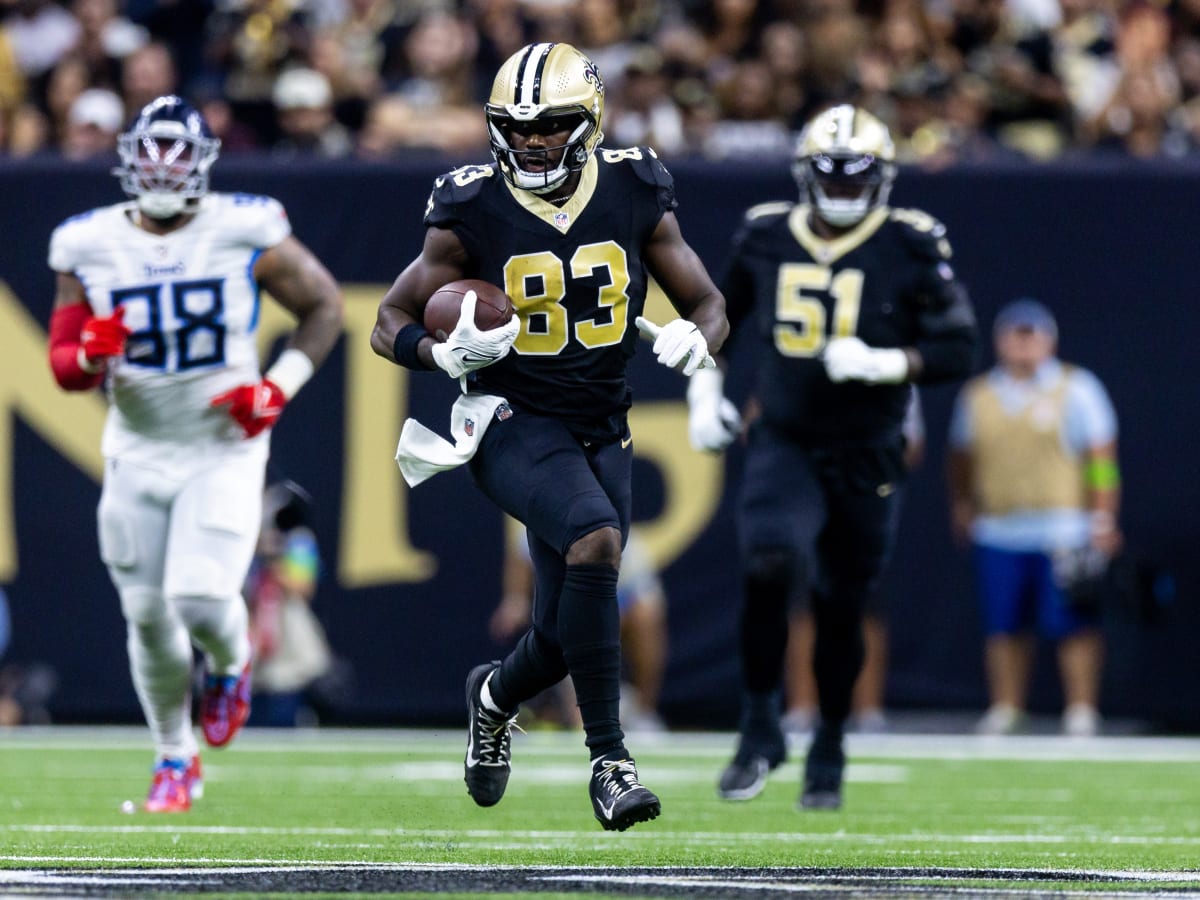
{"points": [[493, 307]]}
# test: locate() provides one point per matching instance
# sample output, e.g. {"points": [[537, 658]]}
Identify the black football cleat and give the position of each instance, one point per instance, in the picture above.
{"points": [[746, 775], [619, 800], [823, 773], [744, 778], [489, 743]]}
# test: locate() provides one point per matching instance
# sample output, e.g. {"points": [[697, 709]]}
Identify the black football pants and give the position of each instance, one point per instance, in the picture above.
{"points": [[818, 520], [561, 489]]}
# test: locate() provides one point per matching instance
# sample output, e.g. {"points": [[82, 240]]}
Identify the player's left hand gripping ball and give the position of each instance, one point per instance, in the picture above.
{"points": [[256, 407], [679, 344]]}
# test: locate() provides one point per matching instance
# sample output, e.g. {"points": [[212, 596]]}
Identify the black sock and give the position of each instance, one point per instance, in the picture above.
{"points": [[764, 631], [589, 627], [535, 664], [760, 713], [837, 657]]}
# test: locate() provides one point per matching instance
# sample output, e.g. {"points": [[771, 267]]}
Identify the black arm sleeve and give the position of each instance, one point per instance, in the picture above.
{"points": [[949, 337]]}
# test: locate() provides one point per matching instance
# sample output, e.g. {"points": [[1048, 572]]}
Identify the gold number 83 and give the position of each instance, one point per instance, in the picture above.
{"points": [[537, 284]]}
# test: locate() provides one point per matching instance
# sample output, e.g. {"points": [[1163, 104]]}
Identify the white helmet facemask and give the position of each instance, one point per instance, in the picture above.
{"points": [[844, 188], [575, 150], [165, 158]]}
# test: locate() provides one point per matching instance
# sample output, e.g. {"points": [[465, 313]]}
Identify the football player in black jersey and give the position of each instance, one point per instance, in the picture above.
{"points": [[571, 231], [851, 300]]}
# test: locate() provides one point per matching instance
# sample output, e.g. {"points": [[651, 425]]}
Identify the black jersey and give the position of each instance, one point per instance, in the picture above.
{"points": [[888, 281], [575, 275]]}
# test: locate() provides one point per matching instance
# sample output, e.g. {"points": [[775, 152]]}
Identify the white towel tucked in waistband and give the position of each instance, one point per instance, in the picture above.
{"points": [[422, 453]]}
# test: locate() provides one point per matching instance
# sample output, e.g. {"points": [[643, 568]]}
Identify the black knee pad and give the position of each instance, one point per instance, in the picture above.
{"points": [[772, 566]]}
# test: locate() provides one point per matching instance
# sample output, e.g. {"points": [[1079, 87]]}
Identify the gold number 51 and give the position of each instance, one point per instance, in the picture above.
{"points": [[801, 317]]}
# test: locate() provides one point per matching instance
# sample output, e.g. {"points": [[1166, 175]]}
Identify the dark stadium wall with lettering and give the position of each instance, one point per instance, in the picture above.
{"points": [[410, 578]]}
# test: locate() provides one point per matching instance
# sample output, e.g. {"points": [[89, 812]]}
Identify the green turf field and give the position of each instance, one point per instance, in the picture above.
{"points": [[1126, 808]]}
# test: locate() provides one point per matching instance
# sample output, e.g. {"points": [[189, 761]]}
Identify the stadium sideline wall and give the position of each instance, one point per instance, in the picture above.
{"points": [[1110, 246]]}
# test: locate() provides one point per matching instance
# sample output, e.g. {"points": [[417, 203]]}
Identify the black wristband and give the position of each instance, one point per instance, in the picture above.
{"points": [[404, 347]]}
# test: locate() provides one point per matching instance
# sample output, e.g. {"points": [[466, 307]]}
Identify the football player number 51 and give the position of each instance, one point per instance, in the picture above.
{"points": [[800, 328], [537, 284]]}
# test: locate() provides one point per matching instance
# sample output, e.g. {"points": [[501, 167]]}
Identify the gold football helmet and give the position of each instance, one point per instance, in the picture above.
{"points": [[845, 164], [545, 88]]}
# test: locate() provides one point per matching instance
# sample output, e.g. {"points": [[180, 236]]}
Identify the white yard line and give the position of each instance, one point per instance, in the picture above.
{"points": [[560, 837], [451, 770], [714, 745]]}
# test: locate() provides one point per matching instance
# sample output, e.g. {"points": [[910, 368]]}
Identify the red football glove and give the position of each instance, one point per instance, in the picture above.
{"points": [[256, 407], [102, 337]]}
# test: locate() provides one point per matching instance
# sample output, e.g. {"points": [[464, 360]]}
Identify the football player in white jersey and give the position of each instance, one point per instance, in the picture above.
{"points": [[160, 297]]}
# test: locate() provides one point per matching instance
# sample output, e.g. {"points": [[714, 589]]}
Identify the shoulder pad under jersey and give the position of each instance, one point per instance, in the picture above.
{"points": [[642, 161], [259, 220], [458, 186], [767, 213], [72, 238], [925, 235]]}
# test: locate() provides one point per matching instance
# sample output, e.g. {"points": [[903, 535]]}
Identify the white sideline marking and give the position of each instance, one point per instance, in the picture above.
{"points": [[827, 884], [819, 884], [44, 878], [787, 887], [243, 866]]}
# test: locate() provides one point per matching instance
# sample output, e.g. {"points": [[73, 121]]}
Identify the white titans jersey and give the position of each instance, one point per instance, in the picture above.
{"points": [[191, 303]]}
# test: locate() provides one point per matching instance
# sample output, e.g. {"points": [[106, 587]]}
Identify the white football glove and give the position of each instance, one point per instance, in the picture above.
{"points": [[467, 348], [713, 420], [678, 344], [849, 359]]}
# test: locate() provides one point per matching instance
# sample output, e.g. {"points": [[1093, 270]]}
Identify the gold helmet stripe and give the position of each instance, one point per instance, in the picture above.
{"points": [[529, 78]]}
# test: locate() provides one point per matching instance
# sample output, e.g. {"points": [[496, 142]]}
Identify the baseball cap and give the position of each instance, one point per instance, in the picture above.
{"points": [[301, 89], [1026, 313], [98, 107]]}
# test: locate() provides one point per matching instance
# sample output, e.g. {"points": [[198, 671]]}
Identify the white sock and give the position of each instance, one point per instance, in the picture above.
{"points": [[160, 661], [485, 696], [220, 625]]}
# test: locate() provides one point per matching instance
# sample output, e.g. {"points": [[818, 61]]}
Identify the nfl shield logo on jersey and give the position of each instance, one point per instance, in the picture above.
{"points": [[469, 427], [561, 221], [503, 411]]}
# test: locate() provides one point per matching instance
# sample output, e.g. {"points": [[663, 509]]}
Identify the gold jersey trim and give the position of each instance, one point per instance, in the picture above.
{"points": [[828, 252], [561, 218], [768, 209]]}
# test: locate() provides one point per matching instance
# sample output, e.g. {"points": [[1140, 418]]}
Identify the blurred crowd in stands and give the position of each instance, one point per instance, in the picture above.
{"points": [[956, 80]]}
